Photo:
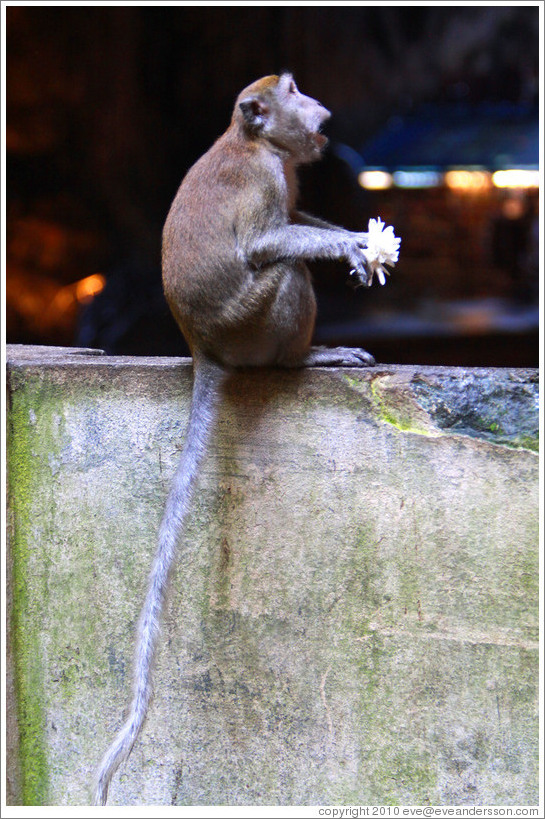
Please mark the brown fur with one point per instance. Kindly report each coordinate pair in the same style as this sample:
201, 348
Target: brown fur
235, 299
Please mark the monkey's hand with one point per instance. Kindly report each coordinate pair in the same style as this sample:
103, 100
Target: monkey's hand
355, 255
382, 248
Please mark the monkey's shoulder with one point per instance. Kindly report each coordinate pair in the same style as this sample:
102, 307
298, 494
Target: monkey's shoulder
233, 167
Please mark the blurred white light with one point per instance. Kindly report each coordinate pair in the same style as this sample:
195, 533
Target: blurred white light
375, 180
516, 178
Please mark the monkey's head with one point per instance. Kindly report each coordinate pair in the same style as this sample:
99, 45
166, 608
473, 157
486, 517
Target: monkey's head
274, 109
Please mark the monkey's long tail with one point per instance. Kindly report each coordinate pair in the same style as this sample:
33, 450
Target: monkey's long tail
208, 378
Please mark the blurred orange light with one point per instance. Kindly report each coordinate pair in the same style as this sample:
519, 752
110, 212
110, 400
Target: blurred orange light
91, 286
467, 180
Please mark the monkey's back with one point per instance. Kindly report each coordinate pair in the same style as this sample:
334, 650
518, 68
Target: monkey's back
233, 193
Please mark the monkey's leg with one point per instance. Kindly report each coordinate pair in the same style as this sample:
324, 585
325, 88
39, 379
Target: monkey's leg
337, 357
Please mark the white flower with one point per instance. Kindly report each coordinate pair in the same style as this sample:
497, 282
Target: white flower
382, 249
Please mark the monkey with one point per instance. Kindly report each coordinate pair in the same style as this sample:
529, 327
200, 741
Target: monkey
234, 248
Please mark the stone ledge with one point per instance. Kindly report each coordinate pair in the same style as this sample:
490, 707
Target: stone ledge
500, 405
353, 619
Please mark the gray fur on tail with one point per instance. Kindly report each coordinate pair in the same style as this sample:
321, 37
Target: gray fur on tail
208, 378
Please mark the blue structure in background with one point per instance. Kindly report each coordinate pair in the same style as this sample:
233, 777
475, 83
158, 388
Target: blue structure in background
489, 135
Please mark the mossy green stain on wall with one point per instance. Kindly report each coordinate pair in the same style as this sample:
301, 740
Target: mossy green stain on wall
478, 409
405, 415
55, 647
25, 624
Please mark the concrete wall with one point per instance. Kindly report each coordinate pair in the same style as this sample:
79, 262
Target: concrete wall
353, 618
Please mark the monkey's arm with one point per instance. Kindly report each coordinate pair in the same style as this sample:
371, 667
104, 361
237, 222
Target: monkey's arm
303, 241
299, 217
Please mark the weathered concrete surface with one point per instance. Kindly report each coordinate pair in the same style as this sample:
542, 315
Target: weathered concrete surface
353, 619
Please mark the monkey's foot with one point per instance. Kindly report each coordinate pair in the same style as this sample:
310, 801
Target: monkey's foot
338, 357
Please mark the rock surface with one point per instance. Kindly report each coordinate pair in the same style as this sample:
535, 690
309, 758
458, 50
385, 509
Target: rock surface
353, 617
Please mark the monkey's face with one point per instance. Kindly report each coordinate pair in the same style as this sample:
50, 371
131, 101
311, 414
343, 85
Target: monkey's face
284, 116
299, 119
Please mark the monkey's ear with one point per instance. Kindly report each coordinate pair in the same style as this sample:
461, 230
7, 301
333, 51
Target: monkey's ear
254, 111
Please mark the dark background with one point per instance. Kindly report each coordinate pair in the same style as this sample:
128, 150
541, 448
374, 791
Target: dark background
108, 107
